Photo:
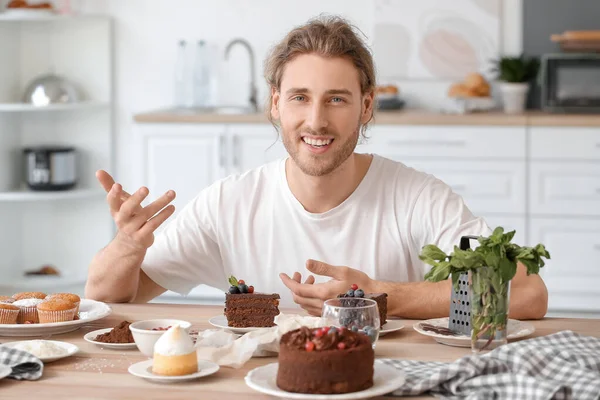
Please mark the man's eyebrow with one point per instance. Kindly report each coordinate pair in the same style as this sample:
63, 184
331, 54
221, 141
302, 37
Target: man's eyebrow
330, 91
297, 91
339, 91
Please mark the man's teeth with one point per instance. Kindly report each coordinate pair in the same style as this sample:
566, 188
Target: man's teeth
317, 142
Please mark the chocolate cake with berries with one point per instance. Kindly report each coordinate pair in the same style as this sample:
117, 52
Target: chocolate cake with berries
245, 308
326, 360
380, 299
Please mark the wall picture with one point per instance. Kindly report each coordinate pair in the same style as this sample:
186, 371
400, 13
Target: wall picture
435, 39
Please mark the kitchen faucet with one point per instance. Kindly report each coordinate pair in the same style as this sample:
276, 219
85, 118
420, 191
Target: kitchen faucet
253, 91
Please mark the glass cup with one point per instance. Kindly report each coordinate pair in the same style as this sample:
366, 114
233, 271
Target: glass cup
355, 314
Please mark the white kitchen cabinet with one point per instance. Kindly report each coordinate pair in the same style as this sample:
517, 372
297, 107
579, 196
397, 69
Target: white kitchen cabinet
486, 186
185, 158
448, 142
505, 177
565, 188
573, 272
253, 146
565, 143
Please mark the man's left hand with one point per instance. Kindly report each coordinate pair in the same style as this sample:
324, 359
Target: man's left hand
310, 296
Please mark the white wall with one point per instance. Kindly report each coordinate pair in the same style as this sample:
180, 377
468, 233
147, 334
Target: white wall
146, 33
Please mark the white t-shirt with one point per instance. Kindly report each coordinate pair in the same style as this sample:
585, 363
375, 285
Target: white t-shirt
251, 226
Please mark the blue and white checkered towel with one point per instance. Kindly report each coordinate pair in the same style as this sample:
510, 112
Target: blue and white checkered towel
25, 366
564, 365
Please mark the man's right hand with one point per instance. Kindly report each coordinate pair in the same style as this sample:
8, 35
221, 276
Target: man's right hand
135, 224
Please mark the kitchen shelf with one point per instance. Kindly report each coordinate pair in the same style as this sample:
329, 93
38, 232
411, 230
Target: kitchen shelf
10, 17
46, 284
24, 107
28, 195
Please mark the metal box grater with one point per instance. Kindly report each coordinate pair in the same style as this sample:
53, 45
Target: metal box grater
460, 301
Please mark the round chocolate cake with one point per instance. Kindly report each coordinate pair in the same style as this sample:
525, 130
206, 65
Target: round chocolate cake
325, 361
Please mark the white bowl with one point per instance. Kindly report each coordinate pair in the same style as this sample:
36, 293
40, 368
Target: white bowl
145, 337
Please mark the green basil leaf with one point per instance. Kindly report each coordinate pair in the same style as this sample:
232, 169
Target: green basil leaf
507, 269
433, 252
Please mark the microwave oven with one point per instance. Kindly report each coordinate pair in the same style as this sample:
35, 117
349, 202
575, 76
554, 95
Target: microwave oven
570, 82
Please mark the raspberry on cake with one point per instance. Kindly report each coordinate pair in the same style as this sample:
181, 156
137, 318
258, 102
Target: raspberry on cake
380, 298
175, 353
244, 308
325, 360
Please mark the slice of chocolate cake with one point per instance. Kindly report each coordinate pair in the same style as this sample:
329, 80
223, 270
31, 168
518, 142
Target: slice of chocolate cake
379, 298
246, 309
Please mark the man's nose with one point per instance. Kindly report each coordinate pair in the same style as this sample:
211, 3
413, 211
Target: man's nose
317, 118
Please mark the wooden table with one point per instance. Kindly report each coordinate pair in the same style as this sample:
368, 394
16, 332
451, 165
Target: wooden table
99, 373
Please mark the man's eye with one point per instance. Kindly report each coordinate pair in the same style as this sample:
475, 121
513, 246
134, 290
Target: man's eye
337, 100
298, 98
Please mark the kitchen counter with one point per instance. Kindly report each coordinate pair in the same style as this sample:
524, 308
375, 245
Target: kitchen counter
405, 117
102, 373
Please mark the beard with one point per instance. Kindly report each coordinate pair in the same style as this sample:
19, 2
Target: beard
319, 164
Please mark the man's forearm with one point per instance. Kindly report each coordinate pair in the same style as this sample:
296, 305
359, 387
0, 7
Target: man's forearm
114, 274
416, 300
424, 300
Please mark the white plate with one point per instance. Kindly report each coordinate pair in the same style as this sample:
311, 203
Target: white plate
90, 336
89, 310
221, 322
516, 330
386, 379
4, 371
392, 325
143, 369
69, 347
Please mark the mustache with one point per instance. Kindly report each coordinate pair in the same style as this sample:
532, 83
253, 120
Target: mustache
312, 132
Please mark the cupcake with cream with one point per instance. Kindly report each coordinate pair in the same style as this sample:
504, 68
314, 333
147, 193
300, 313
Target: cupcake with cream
28, 310
175, 353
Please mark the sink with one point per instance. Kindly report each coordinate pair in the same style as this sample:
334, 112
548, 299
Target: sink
223, 109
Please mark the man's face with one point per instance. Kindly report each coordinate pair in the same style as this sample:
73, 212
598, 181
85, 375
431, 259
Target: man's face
320, 108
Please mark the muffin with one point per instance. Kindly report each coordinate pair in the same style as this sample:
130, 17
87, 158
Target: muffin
29, 295
27, 310
6, 299
56, 310
73, 298
8, 313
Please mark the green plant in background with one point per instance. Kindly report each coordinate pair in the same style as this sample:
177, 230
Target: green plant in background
516, 69
493, 264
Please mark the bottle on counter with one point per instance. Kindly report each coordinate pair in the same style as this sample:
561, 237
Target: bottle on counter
180, 79
201, 86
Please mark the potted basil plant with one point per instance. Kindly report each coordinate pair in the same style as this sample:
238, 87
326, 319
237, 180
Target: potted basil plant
490, 266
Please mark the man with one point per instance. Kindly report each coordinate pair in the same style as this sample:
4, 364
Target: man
348, 218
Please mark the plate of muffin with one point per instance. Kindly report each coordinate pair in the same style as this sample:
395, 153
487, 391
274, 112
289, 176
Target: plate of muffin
325, 363
41, 314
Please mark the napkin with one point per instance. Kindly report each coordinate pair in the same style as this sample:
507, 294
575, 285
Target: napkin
231, 350
564, 366
25, 366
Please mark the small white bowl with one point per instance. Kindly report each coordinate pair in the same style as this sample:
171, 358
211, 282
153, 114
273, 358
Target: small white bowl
145, 337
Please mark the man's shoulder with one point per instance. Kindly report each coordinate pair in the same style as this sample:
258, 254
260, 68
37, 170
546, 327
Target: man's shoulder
392, 171
250, 182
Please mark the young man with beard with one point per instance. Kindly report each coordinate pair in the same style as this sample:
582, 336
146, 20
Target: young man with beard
337, 216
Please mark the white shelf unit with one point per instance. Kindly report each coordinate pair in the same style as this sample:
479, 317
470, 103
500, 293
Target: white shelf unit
24, 107
64, 228
26, 195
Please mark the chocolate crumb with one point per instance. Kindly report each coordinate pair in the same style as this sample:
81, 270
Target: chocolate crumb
119, 334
